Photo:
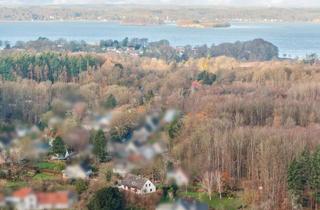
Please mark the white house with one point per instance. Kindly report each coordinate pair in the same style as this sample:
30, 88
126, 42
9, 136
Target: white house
23, 199
137, 184
27, 199
77, 172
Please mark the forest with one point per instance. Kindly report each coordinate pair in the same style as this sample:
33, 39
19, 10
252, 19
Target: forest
157, 14
247, 129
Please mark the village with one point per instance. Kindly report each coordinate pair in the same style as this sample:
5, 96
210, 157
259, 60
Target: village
40, 171
159, 107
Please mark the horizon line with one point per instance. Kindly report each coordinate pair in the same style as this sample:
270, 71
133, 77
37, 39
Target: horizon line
162, 5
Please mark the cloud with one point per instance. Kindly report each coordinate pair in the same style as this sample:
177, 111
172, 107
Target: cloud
281, 3
78, 2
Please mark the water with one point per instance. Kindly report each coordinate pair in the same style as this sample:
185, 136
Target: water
294, 39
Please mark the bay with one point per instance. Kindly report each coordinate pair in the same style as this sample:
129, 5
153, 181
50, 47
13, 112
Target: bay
293, 39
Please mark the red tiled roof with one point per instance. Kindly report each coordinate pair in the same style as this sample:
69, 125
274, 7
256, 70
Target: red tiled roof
196, 84
53, 198
22, 193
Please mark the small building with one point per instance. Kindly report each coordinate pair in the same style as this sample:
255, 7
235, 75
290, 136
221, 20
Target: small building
2, 200
23, 199
123, 167
80, 171
66, 156
195, 86
55, 200
178, 176
27, 199
2, 158
137, 184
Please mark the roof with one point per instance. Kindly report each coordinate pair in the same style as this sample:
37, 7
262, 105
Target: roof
76, 171
134, 181
196, 84
22, 193
53, 198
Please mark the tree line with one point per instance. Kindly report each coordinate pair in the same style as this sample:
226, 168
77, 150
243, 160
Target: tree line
253, 50
46, 66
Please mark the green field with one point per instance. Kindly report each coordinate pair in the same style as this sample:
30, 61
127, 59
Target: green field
44, 176
16, 184
56, 166
215, 202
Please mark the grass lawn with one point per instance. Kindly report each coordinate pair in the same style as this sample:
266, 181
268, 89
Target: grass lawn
56, 166
16, 184
215, 202
43, 176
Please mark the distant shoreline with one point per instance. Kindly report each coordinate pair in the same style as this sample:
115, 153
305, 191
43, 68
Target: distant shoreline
158, 24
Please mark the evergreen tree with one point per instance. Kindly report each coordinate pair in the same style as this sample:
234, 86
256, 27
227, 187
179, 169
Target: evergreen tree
107, 199
99, 146
174, 128
303, 178
315, 175
295, 177
207, 78
58, 146
81, 186
111, 102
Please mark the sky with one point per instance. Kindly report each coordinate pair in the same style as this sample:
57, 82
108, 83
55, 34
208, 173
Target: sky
264, 3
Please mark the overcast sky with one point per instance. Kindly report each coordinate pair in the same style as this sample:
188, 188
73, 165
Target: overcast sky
279, 3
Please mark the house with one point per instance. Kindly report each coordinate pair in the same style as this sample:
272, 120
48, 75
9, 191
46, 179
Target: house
66, 156
54, 121
170, 115
183, 204
141, 135
23, 199
137, 184
22, 131
196, 85
123, 167
2, 158
2, 200
55, 200
26, 198
148, 152
178, 176
81, 171
96, 122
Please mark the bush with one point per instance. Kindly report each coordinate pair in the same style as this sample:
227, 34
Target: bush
3, 174
174, 128
109, 175
81, 186
207, 78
